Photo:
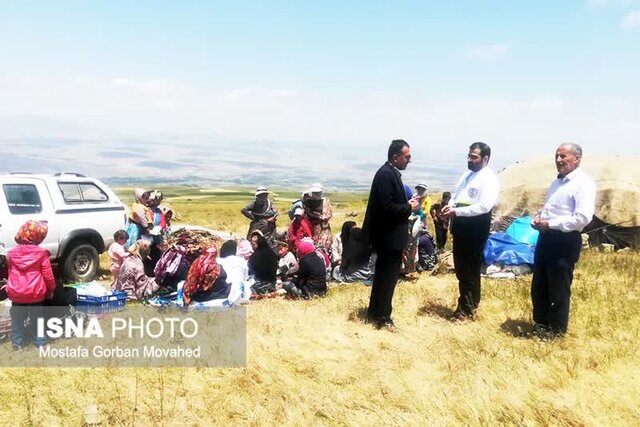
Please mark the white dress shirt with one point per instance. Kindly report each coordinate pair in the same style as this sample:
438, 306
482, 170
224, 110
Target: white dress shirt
570, 202
476, 192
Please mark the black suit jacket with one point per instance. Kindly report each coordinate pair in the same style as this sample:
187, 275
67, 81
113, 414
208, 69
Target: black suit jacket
386, 223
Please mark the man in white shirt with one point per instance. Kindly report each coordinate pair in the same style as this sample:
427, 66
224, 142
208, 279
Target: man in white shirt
470, 213
568, 208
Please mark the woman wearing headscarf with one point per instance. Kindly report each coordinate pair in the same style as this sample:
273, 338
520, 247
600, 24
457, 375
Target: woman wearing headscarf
318, 209
167, 216
158, 225
356, 255
300, 227
337, 246
312, 273
263, 264
131, 278
235, 265
172, 268
427, 259
410, 252
140, 218
244, 248
30, 280
263, 215
206, 280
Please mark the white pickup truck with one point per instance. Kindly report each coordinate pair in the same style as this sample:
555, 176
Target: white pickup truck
82, 214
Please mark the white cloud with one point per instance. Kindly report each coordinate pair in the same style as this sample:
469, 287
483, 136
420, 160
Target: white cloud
120, 82
627, 125
151, 86
551, 104
249, 92
630, 20
489, 51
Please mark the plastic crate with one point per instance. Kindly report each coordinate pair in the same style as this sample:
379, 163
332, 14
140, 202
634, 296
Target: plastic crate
105, 304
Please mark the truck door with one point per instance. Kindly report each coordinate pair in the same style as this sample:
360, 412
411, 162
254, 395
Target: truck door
22, 200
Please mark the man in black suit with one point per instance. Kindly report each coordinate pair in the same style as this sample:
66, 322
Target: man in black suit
386, 228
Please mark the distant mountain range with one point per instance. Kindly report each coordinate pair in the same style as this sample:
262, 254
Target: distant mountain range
212, 161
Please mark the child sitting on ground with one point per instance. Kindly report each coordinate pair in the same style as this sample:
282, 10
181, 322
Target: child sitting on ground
30, 281
312, 275
117, 253
288, 264
131, 278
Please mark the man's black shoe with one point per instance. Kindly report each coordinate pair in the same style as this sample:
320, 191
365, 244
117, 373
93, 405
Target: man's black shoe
386, 323
546, 333
461, 315
370, 318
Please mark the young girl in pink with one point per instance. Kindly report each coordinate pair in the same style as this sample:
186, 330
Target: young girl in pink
30, 281
117, 253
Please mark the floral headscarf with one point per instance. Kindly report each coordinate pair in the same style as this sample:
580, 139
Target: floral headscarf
202, 275
32, 233
155, 198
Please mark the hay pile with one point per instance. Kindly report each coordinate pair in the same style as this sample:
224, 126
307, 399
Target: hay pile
524, 185
194, 241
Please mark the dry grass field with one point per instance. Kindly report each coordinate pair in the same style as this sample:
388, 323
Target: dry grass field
318, 362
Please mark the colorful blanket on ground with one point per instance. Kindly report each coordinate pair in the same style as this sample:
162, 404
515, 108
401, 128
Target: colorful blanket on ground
240, 293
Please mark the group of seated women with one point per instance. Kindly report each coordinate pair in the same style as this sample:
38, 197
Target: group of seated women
299, 264
213, 274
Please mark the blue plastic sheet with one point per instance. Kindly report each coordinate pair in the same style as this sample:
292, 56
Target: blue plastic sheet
521, 230
501, 248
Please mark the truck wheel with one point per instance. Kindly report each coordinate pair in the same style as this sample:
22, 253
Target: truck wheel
81, 263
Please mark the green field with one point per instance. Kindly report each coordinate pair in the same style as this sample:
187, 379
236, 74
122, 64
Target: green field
219, 208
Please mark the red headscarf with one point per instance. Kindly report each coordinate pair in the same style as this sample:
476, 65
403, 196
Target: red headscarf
32, 233
202, 275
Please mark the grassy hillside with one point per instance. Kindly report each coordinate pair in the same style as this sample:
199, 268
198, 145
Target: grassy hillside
317, 362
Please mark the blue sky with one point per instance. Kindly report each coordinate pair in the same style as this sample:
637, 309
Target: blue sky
443, 47
520, 75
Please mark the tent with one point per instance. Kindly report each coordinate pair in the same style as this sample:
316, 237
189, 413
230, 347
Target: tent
504, 249
521, 230
523, 187
515, 246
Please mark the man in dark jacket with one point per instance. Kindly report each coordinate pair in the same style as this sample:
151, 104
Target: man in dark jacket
385, 227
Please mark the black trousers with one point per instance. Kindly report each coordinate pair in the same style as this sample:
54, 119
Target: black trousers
468, 258
555, 257
388, 265
441, 235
